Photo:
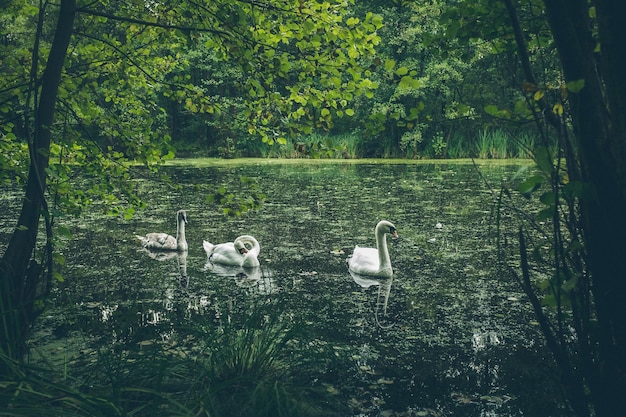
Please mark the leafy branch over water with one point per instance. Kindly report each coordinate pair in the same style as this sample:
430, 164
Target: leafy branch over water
235, 203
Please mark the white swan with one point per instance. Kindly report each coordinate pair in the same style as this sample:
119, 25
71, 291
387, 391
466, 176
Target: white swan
165, 242
244, 251
374, 261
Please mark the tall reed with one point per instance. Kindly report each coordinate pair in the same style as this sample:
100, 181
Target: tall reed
249, 373
493, 144
524, 144
458, 147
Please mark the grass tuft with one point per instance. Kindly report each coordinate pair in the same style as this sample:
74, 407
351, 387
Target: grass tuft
246, 371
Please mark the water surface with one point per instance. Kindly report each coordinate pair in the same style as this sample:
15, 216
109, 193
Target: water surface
449, 335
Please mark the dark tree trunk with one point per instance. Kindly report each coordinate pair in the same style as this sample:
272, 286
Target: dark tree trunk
19, 272
599, 119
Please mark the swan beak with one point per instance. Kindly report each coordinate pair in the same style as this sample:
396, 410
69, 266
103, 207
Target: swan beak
243, 251
394, 234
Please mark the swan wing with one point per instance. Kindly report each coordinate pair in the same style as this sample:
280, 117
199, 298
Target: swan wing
208, 247
165, 242
225, 253
158, 241
374, 261
365, 261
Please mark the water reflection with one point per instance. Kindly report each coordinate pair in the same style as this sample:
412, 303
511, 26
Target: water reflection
106, 312
182, 269
384, 290
181, 260
482, 339
256, 279
203, 305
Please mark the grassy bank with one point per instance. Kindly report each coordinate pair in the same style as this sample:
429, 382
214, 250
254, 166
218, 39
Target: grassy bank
209, 162
486, 144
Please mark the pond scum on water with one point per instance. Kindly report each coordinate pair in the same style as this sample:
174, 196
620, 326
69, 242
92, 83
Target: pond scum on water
449, 335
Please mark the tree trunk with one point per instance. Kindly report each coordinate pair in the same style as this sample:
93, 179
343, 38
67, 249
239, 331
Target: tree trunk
599, 119
20, 274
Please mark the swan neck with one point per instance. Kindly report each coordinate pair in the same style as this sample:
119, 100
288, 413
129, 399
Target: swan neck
383, 252
249, 258
180, 230
182, 263
181, 242
255, 249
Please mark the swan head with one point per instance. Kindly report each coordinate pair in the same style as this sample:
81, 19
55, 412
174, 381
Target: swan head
240, 247
181, 215
384, 227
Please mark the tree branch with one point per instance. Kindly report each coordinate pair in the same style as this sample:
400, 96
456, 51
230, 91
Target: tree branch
154, 24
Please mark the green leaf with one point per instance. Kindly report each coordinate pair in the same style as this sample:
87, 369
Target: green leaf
549, 300
576, 189
408, 82
57, 276
548, 198
528, 186
402, 71
58, 258
570, 284
390, 64
575, 86
543, 160
491, 110
546, 214
64, 231
352, 21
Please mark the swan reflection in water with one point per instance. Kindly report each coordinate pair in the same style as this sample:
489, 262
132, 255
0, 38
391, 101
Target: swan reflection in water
181, 260
384, 290
255, 277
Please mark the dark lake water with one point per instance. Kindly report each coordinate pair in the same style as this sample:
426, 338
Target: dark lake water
449, 335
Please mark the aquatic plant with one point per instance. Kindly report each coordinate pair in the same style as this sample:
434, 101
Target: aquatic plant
523, 144
458, 147
239, 372
31, 391
492, 144
248, 371
325, 146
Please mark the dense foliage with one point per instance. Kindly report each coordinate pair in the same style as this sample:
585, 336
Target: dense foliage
431, 88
